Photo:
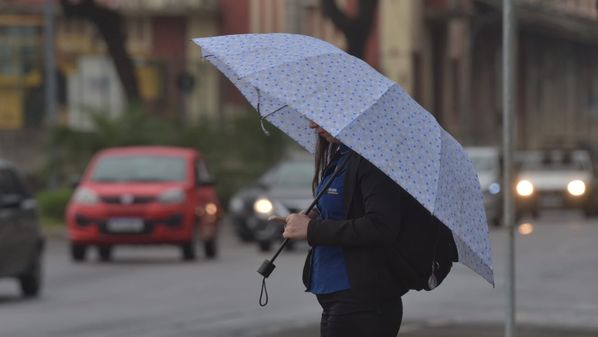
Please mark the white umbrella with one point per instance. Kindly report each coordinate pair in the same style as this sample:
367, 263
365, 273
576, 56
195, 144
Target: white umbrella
291, 79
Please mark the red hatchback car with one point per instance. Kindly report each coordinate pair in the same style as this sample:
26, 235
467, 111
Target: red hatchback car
144, 195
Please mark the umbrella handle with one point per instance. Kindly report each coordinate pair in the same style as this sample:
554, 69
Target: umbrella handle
268, 265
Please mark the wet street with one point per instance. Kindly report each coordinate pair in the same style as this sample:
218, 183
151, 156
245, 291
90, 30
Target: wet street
148, 291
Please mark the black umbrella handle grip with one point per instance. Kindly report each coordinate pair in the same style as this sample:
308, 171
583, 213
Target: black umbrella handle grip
266, 268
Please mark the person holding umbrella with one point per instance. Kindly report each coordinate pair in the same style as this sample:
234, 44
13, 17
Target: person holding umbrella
346, 269
400, 198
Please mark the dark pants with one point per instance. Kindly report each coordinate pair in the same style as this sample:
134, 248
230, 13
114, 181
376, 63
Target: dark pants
344, 316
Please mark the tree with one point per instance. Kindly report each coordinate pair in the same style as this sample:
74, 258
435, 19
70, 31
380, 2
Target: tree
356, 29
109, 24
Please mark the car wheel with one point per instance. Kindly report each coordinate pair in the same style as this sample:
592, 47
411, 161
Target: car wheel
105, 253
210, 248
188, 251
78, 252
31, 280
265, 245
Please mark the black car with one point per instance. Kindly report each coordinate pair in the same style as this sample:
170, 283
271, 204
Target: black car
21, 240
284, 189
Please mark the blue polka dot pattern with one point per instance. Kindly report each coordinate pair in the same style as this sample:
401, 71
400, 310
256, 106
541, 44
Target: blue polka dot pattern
291, 79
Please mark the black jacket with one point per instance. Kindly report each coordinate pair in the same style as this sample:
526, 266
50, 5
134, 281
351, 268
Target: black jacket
375, 215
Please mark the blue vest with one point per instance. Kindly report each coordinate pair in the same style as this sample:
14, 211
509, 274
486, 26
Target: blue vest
328, 269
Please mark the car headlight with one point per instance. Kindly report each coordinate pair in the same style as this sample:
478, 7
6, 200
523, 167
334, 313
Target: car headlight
263, 206
576, 188
172, 196
85, 195
525, 188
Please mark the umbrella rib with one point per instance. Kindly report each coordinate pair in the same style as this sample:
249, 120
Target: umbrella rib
266, 115
367, 108
271, 113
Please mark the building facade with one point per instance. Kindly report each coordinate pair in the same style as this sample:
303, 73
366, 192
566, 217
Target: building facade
556, 70
446, 53
173, 81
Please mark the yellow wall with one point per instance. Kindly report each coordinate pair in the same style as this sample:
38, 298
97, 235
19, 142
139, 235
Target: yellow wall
396, 22
11, 109
203, 101
18, 73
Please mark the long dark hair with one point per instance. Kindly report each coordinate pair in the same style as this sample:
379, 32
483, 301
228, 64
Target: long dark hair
324, 152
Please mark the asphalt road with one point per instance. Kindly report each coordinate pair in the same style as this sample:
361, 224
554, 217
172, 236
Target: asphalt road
148, 291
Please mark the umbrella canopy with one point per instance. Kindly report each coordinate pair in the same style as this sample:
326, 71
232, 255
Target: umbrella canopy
291, 79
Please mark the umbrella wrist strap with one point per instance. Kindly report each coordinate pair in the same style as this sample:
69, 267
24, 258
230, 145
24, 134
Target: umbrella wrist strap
264, 294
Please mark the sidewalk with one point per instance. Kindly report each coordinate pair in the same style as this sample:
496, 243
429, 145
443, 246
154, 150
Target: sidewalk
460, 330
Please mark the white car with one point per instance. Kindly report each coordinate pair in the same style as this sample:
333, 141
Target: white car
487, 164
554, 179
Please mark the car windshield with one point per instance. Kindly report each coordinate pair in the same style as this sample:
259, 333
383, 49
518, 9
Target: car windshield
556, 160
293, 174
139, 168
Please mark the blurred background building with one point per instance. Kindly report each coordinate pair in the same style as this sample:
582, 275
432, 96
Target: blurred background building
446, 53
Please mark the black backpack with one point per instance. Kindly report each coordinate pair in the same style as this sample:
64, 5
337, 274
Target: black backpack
425, 250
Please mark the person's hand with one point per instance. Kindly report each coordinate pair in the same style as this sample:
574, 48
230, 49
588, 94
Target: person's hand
295, 225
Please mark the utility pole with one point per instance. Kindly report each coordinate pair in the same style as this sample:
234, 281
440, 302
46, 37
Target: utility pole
507, 144
50, 83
